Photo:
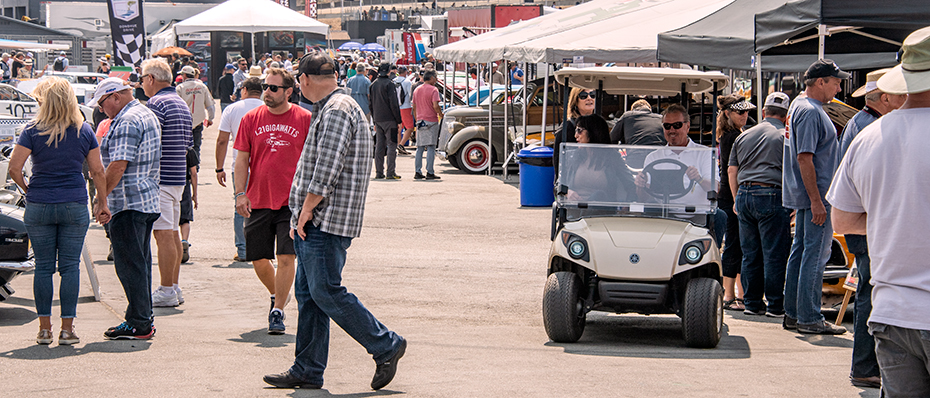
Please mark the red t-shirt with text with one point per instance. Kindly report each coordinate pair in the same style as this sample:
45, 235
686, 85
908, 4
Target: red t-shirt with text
274, 143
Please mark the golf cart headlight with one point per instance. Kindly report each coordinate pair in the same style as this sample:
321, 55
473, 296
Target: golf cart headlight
576, 249
693, 254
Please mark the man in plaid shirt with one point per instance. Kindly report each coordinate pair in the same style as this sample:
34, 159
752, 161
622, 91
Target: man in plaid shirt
131, 152
327, 201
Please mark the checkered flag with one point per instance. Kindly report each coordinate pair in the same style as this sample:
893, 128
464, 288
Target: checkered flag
129, 49
311, 9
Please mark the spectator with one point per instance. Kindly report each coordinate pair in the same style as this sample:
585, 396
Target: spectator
428, 113
404, 95
200, 102
61, 62
104, 66
358, 85
188, 202
516, 74
580, 103
16, 64
26, 71
226, 88
242, 72
385, 113
56, 214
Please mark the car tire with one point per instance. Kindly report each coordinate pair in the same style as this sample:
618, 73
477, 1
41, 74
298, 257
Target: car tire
454, 161
474, 157
563, 314
702, 313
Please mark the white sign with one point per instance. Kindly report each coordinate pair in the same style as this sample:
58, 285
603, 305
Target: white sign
578, 59
96, 45
195, 36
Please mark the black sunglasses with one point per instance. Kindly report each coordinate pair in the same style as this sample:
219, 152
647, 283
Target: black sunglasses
741, 112
274, 88
586, 94
676, 125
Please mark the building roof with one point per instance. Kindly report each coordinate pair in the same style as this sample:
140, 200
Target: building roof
13, 26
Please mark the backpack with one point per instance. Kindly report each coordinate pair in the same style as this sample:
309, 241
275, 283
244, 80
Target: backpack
400, 88
59, 65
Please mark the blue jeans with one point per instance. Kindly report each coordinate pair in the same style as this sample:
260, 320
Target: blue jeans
765, 238
430, 157
238, 222
864, 363
804, 280
720, 226
321, 296
131, 237
57, 232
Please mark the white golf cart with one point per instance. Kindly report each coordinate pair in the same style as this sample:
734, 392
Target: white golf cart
623, 248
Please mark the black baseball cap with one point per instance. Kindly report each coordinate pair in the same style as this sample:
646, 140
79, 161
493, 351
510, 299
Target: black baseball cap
384, 69
317, 64
825, 68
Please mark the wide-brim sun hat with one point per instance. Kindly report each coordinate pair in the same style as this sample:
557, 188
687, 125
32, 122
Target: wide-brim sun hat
871, 82
255, 71
912, 75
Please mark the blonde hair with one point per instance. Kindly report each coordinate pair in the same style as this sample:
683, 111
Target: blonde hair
58, 109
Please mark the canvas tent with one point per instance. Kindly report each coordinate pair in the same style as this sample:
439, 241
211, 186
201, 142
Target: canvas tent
31, 46
599, 30
250, 16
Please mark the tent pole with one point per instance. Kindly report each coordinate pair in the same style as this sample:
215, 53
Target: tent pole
545, 109
760, 91
490, 114
821, 38
565, 121
713, 123
254, 58
526, 108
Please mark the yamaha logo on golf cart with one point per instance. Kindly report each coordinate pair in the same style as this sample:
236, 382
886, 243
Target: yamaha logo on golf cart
634, 258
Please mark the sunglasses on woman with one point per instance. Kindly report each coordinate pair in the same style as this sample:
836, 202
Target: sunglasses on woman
585, 94
274, 88
740, 112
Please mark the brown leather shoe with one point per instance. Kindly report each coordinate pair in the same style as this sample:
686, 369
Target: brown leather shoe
867, 382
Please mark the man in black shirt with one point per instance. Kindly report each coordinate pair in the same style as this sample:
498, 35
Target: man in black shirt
226, 89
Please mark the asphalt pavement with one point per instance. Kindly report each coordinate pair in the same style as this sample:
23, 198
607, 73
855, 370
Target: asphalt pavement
456, 266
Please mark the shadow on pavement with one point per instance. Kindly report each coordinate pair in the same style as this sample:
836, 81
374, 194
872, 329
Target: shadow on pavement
261, 338
167, 311
326, 393
234, 264
648, 337
16, 316
54, 351
826, 340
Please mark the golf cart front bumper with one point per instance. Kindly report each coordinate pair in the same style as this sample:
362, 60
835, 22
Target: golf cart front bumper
629, 295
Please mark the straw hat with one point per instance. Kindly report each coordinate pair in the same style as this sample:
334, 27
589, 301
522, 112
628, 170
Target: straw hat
871, 82
255, 71
913, 74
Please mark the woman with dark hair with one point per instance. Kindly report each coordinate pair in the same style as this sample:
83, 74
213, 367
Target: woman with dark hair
730, 121
592, 129
597, 175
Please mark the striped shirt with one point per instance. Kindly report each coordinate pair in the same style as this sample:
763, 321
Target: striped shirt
335, 164
174, 117
135, 136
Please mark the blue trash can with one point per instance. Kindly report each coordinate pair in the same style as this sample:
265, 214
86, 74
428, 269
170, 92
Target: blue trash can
536, 176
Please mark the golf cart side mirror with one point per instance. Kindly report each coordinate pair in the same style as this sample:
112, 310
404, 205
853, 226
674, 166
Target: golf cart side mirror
712, 195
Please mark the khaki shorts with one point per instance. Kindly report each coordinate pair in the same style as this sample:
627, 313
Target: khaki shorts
169, 202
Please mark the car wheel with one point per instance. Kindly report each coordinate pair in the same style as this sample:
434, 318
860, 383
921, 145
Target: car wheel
702, 315
563, 315
474, 157
454, 161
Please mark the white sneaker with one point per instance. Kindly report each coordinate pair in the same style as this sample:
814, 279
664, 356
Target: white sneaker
164, 297
177, 291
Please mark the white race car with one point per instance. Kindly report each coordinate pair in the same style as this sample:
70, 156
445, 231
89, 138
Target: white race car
84, 83
17, 103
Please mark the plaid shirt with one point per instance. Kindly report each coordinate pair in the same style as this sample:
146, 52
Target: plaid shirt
135, 136
335, 164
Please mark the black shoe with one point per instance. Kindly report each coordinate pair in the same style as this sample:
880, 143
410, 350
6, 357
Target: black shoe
392, 177
775, 314
379, 176
822, 327
110, 255
431, 176
401, 150
753, 312
868, 382
124, 331
418, 176
288, 380
384, 372
789, 323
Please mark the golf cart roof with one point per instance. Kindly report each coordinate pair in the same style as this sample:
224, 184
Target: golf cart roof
642, 81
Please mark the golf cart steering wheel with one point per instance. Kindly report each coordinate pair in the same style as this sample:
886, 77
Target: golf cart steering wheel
666, 183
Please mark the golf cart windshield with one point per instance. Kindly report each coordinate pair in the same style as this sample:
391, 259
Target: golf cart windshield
630, 180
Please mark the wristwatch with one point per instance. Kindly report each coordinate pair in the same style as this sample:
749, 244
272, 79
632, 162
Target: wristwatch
219, 170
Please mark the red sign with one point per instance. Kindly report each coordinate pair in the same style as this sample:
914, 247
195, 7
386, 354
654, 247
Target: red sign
410, 48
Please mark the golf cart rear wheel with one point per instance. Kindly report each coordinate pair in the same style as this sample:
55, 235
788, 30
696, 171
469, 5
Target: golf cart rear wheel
474, 157
563, 315
702, 315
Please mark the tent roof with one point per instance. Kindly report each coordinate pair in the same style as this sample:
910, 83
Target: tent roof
30, 46
641, 81
599, 30
250, 16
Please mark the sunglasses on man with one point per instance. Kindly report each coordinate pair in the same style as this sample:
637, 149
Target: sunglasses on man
586, 94
274, 88
676, 125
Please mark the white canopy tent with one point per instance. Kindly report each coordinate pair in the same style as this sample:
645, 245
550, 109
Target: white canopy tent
29, 46
250, 16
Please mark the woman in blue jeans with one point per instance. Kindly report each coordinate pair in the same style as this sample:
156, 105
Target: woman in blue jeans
56, 218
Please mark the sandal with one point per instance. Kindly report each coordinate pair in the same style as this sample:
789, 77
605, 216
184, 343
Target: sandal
735, 304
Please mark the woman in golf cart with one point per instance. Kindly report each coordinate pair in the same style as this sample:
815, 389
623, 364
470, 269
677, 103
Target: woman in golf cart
580, 103
610, 175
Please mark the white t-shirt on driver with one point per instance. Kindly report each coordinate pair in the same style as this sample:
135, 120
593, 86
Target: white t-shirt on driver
882, 175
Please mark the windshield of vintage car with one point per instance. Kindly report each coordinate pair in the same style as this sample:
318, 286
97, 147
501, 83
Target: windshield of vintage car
637, 180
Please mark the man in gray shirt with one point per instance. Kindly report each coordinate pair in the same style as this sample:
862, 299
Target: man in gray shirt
755, 167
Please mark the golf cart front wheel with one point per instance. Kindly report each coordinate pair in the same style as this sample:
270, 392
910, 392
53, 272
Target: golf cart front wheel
563, 314
702, 314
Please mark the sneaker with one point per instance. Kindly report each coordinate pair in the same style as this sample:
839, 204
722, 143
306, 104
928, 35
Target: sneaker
110, 254
126, 332
177, 291
392, 177
44, 337
164, 297
751, 312
822, 327
286, 301
379, 176
789, 323
401, 150
773, 314
289, 380
385, 371
68, 338
185, 255
276, 322
431, 176
418, 176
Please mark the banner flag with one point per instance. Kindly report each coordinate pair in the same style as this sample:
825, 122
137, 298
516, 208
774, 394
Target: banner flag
410, 51
128, 31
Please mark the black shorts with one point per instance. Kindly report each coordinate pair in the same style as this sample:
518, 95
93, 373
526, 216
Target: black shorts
187, 205
267, 230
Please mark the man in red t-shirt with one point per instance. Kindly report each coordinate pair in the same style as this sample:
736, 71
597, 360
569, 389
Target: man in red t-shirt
269, 141
428, 113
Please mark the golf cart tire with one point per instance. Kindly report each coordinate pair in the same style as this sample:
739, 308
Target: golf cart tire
702, 314
481, 150
563, 315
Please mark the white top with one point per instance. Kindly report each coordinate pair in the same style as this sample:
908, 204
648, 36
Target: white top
882, 176
701, 160
231, 117
198, 98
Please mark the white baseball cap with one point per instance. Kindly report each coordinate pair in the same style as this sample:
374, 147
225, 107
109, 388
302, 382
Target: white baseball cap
777, 100
108, 86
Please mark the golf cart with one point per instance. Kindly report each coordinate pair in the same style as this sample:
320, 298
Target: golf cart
626, 246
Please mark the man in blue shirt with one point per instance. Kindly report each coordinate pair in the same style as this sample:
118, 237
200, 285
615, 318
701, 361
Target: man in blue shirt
131, 152
808, 165
516, 74
358, 85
